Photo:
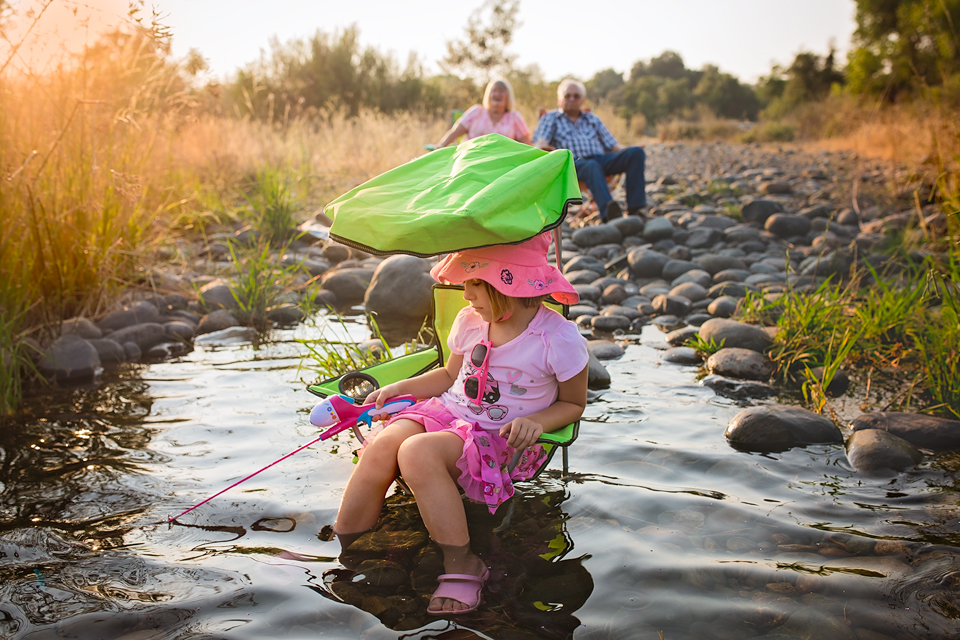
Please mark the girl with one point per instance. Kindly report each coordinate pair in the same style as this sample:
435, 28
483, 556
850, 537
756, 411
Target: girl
516, 369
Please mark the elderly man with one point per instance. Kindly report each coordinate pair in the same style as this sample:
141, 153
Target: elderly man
595, 151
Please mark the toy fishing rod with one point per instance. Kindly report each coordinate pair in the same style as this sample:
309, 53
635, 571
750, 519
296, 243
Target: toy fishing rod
337, 413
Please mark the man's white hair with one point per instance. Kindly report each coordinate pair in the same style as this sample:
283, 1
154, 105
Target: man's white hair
570, 82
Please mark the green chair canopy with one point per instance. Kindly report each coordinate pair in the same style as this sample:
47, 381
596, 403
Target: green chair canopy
486, 191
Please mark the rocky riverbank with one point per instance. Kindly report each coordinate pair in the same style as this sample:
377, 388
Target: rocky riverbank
725, 221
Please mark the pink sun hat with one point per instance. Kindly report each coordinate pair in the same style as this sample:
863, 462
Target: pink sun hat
515, 270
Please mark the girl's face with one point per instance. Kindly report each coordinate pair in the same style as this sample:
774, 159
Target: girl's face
475, 292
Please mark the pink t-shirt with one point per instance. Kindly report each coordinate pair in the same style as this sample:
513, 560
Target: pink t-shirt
523, 373
477, 122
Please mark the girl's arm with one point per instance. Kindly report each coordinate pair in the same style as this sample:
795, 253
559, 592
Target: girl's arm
571, 401
426, 385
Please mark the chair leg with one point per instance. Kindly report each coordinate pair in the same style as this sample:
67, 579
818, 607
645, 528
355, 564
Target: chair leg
506, 519
566, 462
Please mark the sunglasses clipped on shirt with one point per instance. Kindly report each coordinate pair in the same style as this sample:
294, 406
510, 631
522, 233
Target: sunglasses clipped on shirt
474, 385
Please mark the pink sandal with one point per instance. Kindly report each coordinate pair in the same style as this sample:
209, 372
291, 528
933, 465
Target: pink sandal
462, 587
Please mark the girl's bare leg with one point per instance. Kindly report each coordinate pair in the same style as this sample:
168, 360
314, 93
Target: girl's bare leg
428, 463
375, 472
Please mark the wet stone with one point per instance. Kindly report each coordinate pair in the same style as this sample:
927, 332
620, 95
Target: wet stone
232, 335
779, 427
180, 330
671, 305
723, 307
605, 349
145, 335
926, 432
680, 336
132, 315
82, 327
627, 312
740, 363
879, 452
285, 314
70, 357
348, 284
735, 334
611, 323
738, 389
216, 321
217, 295
597, 375
646, 263
380, 573
681, 355
109, 351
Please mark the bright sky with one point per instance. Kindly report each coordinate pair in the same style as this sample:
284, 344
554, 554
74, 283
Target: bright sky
563, 37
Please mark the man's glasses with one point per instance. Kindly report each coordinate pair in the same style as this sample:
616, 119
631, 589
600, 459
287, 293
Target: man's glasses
474, 385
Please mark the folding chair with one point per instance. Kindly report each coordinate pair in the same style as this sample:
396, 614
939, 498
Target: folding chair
447, 303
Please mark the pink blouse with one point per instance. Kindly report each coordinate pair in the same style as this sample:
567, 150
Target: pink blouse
477, 123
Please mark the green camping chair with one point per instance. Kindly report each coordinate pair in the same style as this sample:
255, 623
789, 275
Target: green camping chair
447, 303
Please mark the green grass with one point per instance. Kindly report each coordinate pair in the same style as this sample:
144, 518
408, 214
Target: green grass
902, 329
260, 284
273, 205
335, 353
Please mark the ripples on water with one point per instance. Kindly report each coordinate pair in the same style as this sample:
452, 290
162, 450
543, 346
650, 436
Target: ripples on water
660, 528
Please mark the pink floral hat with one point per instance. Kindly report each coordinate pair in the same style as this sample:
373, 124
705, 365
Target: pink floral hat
515, 270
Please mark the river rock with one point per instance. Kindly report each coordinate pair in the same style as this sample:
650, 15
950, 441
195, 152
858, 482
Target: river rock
594, 235
618, 310
671, 305
585, 263
70, 358
613, 294
82, 327
132, 351
610, 323
786, 225
703, 237
627, 225
735, 334
144, 335
679, 337
723, 307
134, 314
597, 375
880, 452
231, 335
109, 351
216, 321
400, 296
689, 290
779, 427
605, 349
697, 275
349, 284
714, 263
738, 389
646, 263
925, 432
740, 363
180, 330
681, 355
285, 314
673, 269
657, 229
759, 210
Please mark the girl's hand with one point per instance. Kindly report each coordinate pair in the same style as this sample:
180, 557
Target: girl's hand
521, 432
381, 395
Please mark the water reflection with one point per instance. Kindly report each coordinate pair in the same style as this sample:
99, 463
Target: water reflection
535, 584
661, 527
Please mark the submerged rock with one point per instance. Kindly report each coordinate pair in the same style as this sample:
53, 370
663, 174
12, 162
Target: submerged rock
779, 427
926, 432
880, 452
738, 389
71, 358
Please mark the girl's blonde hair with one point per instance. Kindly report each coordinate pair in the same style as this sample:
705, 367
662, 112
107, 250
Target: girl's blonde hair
503, 84
501, 305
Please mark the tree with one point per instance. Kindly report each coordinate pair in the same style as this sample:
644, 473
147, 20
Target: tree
489, 31
603, 84
901, 46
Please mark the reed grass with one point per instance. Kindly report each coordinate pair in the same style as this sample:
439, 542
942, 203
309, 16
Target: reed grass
335, 353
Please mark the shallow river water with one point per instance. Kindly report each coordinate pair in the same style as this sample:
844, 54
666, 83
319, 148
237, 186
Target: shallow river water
661, 529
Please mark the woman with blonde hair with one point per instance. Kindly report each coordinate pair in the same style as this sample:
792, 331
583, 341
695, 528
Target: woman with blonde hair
497, 114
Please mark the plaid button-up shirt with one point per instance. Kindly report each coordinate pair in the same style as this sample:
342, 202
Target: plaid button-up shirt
585, 138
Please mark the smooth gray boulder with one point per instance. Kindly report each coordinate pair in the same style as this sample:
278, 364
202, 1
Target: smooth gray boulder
400, 296
723, 307
69, 358
216, 321
594, 235
759, 210
673, 269
180, 330
82, 327
597, 375
109, 351
609, 324
627, 225
217, 295
671, 305
679, 337
713, 263
738, 389
657, 229
880, 452
134, 314
646, 263
285, 314
697, 275
144, 335
787, 225
588, 292
735, 334
681, 355
703, 237
349, 284
689, 290
923, 431
585, 263
779, 427
732, 289
605, 349
740, 363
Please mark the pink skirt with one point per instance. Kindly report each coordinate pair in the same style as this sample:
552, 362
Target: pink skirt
486, 455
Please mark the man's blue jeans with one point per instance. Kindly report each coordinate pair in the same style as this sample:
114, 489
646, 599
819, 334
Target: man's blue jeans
593, 171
